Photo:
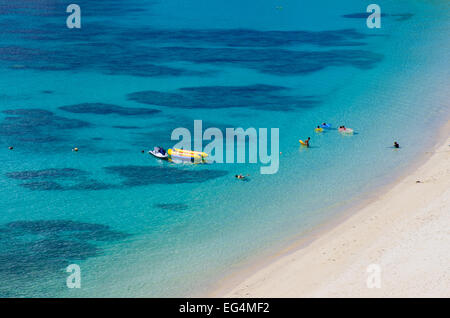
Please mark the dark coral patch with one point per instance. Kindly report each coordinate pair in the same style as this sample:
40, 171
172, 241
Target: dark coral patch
52, 9
272, 61
43, 226
38, 130
91, 185
147, 175
42, 185
247, 37
29, 112
18, 54
57, 178
365, 15
104, 235
146, 70
172, 206
126, 127
237, 49
259, 96
53, 173
45, 247
144, 51
106, 109
37, 139
204, 37
402, 16
361, 15
56, 227
36, 123
42, 257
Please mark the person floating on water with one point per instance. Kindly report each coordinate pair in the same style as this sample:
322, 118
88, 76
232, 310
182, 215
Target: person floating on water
396, 145
240, 176
307, 141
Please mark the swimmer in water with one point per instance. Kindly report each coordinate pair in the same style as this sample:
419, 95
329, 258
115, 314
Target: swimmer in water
396, 145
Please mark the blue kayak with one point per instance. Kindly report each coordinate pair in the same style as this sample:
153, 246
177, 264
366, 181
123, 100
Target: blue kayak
326, 126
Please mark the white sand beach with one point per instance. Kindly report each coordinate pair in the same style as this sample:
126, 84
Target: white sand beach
406, 231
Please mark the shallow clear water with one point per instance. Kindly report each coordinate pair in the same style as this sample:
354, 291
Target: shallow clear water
139, 227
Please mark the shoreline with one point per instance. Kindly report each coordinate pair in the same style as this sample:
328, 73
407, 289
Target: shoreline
330, 261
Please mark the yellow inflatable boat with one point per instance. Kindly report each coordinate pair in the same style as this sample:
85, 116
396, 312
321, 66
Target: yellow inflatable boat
190, 155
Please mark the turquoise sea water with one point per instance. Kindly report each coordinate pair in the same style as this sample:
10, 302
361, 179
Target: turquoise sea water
138, 227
